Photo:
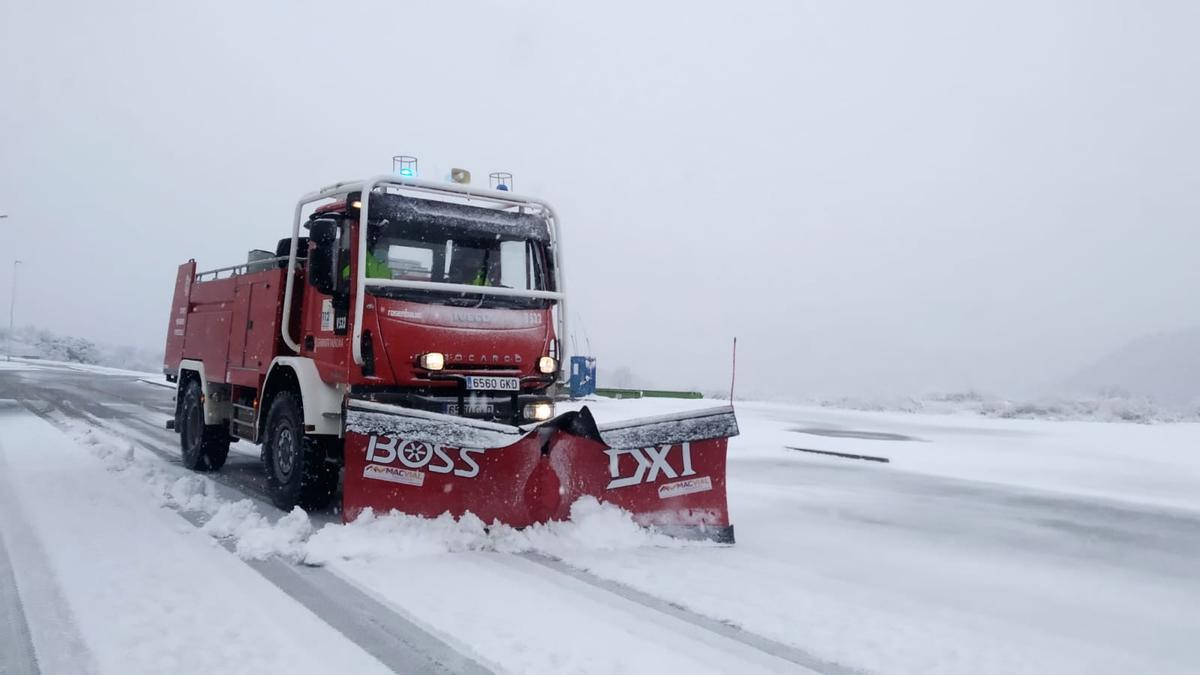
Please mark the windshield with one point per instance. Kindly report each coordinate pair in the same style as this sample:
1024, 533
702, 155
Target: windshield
428, 252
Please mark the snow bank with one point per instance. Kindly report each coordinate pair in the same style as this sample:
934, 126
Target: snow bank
592, 525
254, 536
116, 457
188, 492
396, 536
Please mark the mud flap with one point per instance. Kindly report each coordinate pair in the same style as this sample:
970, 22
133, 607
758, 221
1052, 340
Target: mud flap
668, 472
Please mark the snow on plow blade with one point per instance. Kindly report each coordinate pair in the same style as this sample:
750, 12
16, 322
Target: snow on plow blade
668, 471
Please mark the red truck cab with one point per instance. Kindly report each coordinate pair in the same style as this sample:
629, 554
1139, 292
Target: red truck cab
449, 308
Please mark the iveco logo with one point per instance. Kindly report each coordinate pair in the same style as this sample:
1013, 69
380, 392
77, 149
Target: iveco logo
463, 317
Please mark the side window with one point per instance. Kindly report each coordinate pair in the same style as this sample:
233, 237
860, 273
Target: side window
410, 262
343, 258
464, 263
536, 274
514, 272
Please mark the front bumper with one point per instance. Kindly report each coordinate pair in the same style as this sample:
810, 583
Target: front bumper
504, 408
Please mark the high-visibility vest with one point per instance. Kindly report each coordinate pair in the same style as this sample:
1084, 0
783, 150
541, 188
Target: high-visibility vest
376, 269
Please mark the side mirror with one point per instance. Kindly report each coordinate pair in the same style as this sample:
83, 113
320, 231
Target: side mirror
322, 257
323, 231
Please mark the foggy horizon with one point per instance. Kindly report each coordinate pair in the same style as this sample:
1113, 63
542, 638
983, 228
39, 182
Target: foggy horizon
902, 200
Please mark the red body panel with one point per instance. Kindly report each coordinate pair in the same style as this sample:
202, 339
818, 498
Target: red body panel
177, 327
497, 341
517, 485
671, 484
231, 324
676, 483
319, 340
425, 479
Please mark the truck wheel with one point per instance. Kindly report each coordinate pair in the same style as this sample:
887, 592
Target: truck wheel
297, 473
204, 447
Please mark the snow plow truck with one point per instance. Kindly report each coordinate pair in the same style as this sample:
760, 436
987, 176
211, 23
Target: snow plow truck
403, 347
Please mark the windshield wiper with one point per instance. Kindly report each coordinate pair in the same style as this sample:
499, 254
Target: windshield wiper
465, 301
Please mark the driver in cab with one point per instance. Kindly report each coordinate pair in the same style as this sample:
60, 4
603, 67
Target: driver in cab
475, 267
377, 268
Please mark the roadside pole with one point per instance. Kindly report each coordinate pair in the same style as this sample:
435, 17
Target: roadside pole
12, 309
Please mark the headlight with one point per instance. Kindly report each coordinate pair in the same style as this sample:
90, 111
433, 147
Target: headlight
432, 361
539, 411
547, 364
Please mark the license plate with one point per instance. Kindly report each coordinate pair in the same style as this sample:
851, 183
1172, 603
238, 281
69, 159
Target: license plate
471, 409
493, 384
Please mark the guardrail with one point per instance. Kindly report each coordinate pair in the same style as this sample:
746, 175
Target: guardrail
609, 392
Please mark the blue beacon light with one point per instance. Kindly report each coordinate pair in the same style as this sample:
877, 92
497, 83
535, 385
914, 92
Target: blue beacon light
501, 180
404, 165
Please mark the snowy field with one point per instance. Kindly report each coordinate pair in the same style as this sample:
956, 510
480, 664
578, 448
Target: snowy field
982, 546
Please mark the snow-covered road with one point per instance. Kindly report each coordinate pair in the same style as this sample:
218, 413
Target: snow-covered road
984, 546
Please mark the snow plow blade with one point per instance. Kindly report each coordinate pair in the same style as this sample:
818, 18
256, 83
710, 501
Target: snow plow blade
668, 471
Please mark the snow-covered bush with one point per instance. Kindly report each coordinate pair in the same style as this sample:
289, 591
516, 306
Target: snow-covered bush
31, 342
60, 348
1111, 405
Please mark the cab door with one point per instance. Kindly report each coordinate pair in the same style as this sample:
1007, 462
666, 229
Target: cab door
324, 335
262, 324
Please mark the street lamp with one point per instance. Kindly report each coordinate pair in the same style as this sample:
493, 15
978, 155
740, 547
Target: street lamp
12, 302
12, 306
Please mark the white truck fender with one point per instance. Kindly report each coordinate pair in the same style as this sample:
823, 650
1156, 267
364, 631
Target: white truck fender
322, 402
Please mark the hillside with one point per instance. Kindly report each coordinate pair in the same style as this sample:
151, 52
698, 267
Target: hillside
1164, 367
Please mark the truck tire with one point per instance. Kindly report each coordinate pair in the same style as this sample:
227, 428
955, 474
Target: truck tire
297, 473
203, 447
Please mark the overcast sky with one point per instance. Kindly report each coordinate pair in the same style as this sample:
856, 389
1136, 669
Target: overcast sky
874, 197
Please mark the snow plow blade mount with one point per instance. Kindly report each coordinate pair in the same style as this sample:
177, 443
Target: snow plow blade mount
668, 471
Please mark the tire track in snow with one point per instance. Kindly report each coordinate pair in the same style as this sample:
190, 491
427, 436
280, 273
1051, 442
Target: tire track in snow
39, 632
239, 474
767, 646
17, 656
395, 641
